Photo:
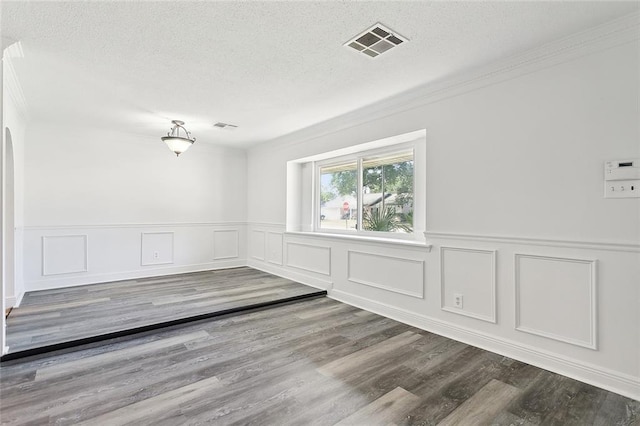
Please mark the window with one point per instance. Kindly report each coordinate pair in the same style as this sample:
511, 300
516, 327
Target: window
375, 189
372, 191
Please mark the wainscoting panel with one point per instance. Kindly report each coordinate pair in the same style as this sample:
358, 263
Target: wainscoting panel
471, 274
225, 244
274, 248
309, 257
395, 274
257, 244
157, 248
58, 256
558, 335
64, 254
556, 298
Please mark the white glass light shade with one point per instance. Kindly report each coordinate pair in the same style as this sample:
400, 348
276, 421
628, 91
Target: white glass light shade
177, 144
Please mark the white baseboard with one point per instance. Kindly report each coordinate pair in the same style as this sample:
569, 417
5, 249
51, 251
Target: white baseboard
73, 281
10, 302
13, 301
620, 383
292, 275
19, 299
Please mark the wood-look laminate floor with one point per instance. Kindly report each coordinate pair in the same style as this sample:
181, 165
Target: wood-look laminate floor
51, 317
316, 362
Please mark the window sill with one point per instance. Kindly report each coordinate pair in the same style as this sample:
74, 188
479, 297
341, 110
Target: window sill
364, 239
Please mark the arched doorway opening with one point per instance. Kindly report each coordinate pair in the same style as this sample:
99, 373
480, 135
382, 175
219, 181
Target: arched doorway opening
9, 225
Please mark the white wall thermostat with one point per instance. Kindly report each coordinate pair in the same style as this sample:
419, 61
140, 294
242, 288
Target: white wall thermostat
622, 179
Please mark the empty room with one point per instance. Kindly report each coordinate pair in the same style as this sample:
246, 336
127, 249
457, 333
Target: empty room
320, 213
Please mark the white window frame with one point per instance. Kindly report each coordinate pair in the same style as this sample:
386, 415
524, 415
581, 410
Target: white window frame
419, 159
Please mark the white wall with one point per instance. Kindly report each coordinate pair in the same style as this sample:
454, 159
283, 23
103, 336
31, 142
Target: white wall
549, 269
533, 146
122, 205
15, 119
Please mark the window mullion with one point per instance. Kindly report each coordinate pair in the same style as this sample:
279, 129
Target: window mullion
382, 186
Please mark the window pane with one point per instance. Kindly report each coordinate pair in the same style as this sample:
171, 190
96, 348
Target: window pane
338, 196
387, 193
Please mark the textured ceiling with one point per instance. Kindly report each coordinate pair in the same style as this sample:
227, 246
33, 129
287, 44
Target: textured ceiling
269, 67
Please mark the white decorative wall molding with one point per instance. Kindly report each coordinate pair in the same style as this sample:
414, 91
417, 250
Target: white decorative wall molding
274, 252
413, 272
571, 305
147, 225
488, 257
19, 298
623, 384
614, 33
65, 254
293, 275
156, 248
587, 245
309, 257
116, 251
257, 244
226, 244
280, 226
361, 239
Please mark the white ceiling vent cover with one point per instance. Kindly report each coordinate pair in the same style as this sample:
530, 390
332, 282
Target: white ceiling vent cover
376, 40
227, 126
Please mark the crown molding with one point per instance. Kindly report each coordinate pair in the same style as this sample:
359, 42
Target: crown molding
11, 82
614, 33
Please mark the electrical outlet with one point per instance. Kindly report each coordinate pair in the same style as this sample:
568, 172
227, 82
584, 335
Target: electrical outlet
156, 255
457, 300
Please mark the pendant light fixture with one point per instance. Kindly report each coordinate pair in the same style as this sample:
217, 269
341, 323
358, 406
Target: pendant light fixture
175, 142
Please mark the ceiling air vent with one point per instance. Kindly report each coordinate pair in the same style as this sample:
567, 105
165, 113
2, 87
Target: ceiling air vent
225, 126
375, 41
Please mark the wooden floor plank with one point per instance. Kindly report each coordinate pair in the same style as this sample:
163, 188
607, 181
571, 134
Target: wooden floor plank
483, 406
384, 410
317, 362
617, 410
367, 355
51, 317
159, 405
57, 370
